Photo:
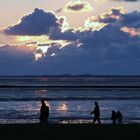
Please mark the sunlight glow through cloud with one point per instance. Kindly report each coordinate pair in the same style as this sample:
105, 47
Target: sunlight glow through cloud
113, 12
97, 42
42, 49
38, 56
131, 31
100, 21
94, 25
24, 39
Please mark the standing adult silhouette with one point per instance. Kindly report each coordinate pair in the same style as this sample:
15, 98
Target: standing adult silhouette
113, 117
119, 117
44, 112
96, 113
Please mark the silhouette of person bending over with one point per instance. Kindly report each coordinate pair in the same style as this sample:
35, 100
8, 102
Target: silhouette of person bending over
114, 117
119, 117
96, 113
44, 112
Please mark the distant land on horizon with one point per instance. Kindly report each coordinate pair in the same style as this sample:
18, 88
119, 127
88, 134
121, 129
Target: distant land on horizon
70, 75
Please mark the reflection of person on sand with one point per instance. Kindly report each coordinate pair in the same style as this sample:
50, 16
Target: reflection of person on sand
96, 112
44, 112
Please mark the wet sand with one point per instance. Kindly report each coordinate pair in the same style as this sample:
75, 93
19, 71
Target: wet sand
69, 131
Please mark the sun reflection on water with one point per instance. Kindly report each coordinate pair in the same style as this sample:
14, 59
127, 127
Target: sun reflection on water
63, 107
40, 91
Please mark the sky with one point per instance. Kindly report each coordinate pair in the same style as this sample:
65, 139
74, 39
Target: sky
42, 37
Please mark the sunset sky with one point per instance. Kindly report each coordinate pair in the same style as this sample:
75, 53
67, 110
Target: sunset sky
39, 37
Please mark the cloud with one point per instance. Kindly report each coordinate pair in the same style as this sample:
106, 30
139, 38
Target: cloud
58, 34
31, 43
116, 0
127, 0
109, 50
100, 21
113, 53
113, 49
106, 35
91, 24
14, 60
128, 22
59, 10
108, 17
78, 6
131, 20
37, 23
40, 23
63, 32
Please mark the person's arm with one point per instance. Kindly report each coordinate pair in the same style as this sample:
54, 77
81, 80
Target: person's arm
92, 112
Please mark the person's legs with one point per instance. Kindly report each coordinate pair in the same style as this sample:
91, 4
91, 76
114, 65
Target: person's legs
94, 120
114, 121
120, 120
98, 119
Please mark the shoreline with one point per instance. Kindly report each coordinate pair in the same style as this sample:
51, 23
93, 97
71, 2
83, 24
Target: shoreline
68, 121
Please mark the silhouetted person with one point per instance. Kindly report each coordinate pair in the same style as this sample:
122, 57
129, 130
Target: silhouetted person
113, 117
44, 112
96, 113
119, 117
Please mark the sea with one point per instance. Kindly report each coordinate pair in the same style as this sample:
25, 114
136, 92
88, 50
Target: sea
70, 98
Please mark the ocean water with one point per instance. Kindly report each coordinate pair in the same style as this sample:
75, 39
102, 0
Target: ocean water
71, 99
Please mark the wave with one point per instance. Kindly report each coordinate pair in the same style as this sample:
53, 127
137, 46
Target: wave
69, 86
69, 98
62, 118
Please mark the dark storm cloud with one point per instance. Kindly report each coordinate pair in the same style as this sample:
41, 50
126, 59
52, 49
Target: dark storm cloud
37, 23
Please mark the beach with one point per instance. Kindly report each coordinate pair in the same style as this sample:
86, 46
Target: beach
70, 99
69, 131
70, 70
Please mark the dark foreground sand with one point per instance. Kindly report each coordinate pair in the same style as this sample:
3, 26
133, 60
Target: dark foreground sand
69, 132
